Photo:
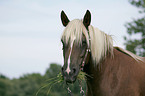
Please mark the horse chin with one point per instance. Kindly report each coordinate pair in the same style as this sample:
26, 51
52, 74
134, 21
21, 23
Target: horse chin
70, 80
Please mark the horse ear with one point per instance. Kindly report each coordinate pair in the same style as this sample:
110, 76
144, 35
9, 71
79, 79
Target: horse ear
87, 19
64, 19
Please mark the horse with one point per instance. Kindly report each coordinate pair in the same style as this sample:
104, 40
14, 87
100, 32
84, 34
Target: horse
112, 71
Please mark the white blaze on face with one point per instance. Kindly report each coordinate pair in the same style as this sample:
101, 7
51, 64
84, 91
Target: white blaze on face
68, 61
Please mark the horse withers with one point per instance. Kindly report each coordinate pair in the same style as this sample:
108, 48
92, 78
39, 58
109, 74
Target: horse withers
112, 71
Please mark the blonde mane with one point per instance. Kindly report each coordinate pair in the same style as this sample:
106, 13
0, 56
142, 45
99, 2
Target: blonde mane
99, 42
137, 58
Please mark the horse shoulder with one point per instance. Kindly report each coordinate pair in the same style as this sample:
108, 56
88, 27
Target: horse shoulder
131, 74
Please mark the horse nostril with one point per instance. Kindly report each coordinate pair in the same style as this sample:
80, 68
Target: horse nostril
63, 71
74, 70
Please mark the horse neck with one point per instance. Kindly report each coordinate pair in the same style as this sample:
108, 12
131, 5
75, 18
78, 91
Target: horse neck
93, 78
95, 74
111, 73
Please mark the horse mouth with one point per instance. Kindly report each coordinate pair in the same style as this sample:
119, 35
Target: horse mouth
70, 80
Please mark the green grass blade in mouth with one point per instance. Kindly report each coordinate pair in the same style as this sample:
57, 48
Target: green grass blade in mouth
59, 80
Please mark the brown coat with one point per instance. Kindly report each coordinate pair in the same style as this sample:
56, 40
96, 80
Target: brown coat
121, 75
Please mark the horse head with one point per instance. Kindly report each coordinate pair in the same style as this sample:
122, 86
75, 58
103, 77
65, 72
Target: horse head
75, 40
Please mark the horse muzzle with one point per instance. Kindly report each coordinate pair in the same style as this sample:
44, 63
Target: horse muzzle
71, 76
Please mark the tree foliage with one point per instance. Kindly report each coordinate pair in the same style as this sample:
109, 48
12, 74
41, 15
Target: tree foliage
135, 28
29, 84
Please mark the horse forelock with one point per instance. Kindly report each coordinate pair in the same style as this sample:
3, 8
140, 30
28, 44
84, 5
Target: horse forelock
75, 29
99, 42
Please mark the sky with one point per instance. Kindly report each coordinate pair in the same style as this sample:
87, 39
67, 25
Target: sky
30, 30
